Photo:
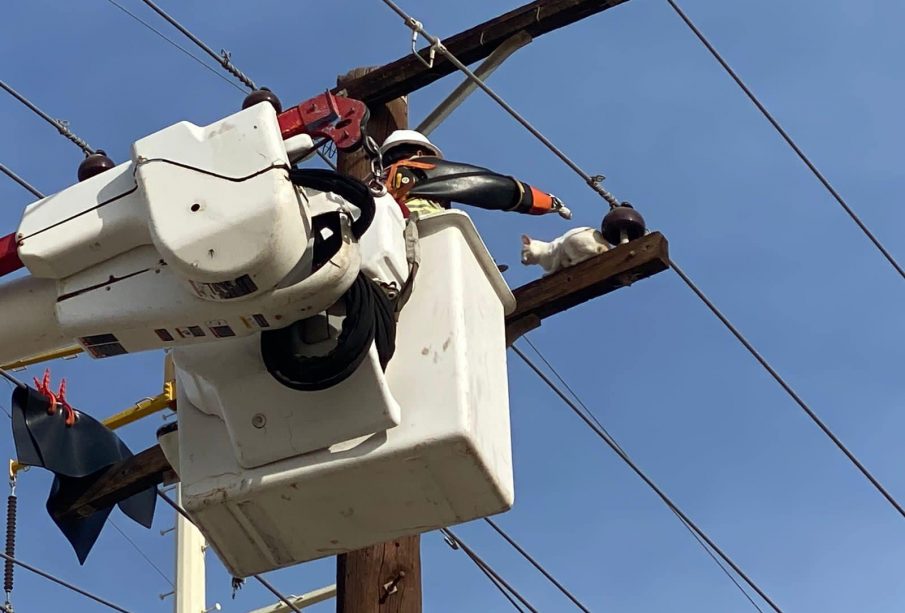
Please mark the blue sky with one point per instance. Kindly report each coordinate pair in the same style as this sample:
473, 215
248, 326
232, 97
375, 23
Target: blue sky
631, 94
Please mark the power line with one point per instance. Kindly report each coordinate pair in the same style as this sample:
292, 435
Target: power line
785, 135
536, 565
456, 543
596, 421
141, 553
721, 565
631, 464
173, 43
274, 591
223, 58
22, 182
568, 387
65, 584
501, 589
437, 45
788, 388
61, 126
178, 508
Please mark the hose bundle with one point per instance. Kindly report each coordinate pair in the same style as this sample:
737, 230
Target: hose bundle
370, 318
352, 190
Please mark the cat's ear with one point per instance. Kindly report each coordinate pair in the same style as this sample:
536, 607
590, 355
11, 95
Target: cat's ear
526, 240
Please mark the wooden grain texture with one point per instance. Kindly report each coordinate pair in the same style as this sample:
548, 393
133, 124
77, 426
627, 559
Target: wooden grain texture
602, 274
141, 471
385, 578
408, 73
362, 576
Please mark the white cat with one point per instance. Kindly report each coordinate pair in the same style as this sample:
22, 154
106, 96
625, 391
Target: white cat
574, 246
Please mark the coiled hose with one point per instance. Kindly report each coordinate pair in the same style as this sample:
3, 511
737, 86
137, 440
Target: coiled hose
370, 318
352, 190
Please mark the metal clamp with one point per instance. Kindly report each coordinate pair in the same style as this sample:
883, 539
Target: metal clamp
436, 45
417, 27
335, 118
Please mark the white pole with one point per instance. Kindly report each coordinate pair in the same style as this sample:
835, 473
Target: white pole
301, 602
190, 577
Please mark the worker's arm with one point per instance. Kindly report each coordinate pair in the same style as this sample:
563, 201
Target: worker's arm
438, 179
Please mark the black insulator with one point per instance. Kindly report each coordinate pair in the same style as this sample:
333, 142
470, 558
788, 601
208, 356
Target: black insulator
11, 505
94, 164
623, 219
262, 95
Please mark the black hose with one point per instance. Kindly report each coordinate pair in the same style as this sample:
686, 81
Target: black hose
352, 190
369, 319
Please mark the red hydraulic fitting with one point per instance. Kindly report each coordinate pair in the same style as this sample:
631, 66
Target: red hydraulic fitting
9, 254
336, 118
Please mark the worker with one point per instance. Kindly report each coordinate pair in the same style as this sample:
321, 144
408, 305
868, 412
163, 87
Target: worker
423, 182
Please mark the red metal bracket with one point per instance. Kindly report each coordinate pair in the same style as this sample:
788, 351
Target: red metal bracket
9, 254
336, 118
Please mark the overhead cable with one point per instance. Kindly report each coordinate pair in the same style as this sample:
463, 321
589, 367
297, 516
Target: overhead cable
223, 58
436, 45
536, 564
61, 126
787, 388
596, 421
501, 589
456, 543
65, 584
173, 43
176, 507
141, 553
785, 135
284, 599
650, 483
22, 182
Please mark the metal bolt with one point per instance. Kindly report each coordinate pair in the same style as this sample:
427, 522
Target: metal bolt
216, 607
258, 420
390, 586
167, 595
167, 531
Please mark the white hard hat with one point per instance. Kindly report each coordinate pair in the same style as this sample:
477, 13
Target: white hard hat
409, 137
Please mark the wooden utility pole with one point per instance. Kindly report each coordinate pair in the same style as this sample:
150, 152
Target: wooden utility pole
384, 578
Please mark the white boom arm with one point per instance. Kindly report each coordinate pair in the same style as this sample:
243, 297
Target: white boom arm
200, 236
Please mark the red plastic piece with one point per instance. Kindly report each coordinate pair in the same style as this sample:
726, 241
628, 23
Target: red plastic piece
56, 400
68, 411
9, 254
336, 118
43, 387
